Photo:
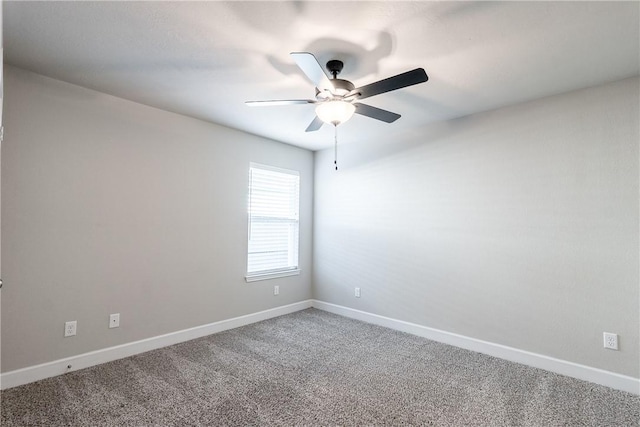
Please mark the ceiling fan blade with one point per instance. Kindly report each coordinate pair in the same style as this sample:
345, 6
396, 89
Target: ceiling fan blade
312, 69
314, 125
376, 113
409, 78
279, 102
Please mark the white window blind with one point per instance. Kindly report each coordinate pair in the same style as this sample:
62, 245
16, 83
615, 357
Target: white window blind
273, 222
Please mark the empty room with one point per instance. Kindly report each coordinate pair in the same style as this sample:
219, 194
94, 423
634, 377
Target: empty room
320, 213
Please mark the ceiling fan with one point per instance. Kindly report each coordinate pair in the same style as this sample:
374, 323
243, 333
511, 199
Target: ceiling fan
337, 99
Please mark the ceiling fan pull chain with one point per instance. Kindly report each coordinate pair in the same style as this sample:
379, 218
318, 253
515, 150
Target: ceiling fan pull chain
335, 147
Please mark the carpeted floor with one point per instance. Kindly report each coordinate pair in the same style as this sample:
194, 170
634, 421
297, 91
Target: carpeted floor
315, 368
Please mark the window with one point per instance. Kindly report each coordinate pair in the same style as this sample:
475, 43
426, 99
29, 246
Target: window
273, 222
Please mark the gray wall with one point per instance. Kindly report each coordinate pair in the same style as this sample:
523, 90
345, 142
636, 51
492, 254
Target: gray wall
109, 206
517, 226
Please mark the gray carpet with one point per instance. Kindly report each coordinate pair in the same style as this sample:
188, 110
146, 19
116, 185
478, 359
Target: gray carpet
315, 368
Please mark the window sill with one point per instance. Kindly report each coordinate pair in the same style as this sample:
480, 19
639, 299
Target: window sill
271, 275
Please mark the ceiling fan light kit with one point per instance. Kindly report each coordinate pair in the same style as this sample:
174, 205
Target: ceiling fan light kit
337, 99
335, 111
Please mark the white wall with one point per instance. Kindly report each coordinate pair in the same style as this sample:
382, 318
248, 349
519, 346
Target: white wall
109, 206
517, 226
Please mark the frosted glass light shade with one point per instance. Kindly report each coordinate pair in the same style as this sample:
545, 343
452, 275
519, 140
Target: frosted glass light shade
335, 112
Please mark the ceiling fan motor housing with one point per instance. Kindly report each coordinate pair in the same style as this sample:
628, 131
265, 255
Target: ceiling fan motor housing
342, 87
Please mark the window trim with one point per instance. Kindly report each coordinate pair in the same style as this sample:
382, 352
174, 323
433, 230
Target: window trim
274, 273
254, 277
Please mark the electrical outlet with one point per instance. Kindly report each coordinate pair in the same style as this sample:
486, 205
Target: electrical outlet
276, 290
70, 328
114, 320
610, 340
357, 292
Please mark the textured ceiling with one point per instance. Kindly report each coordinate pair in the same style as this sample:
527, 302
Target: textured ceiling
204, 59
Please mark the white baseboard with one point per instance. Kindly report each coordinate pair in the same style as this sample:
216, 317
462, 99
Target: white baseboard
563, 367
81, 361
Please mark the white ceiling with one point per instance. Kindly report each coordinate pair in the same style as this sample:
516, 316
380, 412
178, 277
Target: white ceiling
204, 59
